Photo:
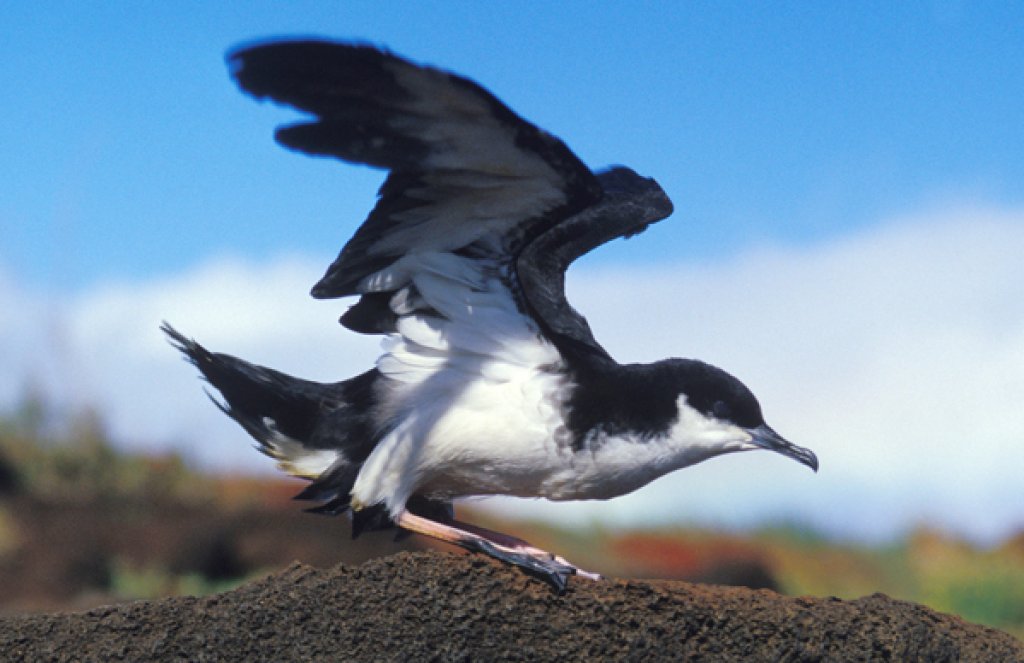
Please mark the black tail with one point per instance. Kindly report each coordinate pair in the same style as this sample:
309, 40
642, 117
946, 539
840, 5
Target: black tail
321, 432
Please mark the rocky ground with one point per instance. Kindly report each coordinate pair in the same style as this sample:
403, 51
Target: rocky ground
440, 606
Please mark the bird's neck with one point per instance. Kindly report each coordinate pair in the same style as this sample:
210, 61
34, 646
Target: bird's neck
611, 398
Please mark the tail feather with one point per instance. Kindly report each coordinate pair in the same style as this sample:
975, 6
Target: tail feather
321, 432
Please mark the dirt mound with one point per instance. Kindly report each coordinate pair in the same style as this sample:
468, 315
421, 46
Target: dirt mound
441, 606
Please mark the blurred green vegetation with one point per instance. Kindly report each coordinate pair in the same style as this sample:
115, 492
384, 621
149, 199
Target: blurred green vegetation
49, 456
131, 582
53, 454
982, 585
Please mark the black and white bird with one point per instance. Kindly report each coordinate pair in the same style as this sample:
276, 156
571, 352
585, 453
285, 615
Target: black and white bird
490, 383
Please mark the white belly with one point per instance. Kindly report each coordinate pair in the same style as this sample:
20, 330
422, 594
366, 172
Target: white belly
463, 435
475, 406
506, 438
473, 390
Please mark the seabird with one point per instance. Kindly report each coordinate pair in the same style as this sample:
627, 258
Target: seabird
490, 383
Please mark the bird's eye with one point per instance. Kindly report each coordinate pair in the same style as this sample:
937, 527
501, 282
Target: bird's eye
721, 410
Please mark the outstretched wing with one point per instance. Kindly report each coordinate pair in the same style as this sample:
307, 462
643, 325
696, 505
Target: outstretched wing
467, 176
630, 203
462, 164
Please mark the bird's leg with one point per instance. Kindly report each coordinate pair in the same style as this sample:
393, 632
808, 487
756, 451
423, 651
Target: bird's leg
515, 543
533, 560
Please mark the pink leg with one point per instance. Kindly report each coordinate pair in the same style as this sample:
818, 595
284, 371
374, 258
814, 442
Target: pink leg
517, 544
555, 570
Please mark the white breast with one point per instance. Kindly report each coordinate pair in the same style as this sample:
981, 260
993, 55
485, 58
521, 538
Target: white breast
475, 403
474, 396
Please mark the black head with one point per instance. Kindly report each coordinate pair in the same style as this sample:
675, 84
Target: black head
713, 392
721, 401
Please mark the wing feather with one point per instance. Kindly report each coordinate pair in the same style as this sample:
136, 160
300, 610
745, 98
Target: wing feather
473, 190
463, 166
630, 204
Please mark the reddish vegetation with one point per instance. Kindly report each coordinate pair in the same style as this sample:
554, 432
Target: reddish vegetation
720, 560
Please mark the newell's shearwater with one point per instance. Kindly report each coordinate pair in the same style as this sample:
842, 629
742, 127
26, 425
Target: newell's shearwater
490, 382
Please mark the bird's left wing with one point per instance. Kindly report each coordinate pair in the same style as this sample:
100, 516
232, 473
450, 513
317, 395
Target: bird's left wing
464, 168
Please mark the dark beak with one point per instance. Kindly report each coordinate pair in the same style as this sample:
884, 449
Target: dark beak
766, 438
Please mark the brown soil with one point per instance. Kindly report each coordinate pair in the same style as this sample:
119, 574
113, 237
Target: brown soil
431, 606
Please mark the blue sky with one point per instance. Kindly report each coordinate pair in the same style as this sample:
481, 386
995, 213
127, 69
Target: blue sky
849, 190
127, 151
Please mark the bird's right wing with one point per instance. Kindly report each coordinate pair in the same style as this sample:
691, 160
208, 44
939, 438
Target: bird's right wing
629, 204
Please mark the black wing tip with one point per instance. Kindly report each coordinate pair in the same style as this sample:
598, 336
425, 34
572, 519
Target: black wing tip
301, 43
372, 314
290, 45
343, 277
252, 63
624, 181
328, 289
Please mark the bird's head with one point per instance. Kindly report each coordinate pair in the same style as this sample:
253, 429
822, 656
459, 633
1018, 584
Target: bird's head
718, 413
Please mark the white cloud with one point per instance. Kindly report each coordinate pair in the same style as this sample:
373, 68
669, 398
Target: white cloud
104, 349
896, 354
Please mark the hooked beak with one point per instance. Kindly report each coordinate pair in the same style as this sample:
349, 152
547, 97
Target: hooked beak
764, 437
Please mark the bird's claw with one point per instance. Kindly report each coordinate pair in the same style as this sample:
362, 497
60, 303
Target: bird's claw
555, 570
